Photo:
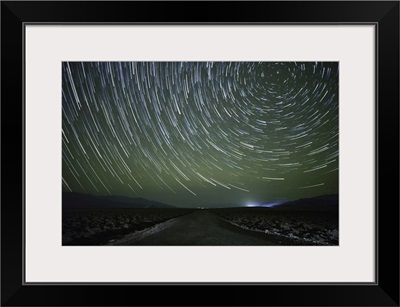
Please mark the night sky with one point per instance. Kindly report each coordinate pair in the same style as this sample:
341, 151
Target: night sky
201, 133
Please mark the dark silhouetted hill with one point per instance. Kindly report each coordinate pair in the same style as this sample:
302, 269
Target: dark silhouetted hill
319, 203
72, 200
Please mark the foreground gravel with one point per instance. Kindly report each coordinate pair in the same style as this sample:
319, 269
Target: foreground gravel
99, 226
199, 227
289, 226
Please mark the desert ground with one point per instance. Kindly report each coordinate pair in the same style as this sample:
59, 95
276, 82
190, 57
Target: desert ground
175, 226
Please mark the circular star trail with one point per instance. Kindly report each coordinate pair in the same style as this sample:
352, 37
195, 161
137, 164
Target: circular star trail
201, 133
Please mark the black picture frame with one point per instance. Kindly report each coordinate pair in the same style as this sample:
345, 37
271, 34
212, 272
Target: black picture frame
383, 14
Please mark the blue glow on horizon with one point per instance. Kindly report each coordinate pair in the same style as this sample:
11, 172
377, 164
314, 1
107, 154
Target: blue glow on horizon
265, 205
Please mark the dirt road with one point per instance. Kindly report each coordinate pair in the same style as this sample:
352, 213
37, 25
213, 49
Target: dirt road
197, 228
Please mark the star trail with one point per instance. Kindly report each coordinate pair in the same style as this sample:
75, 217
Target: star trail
192, 134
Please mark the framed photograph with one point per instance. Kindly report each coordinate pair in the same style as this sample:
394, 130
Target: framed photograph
244, 153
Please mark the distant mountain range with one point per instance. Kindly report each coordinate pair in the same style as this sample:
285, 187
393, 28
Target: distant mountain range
72, 200
323, 202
